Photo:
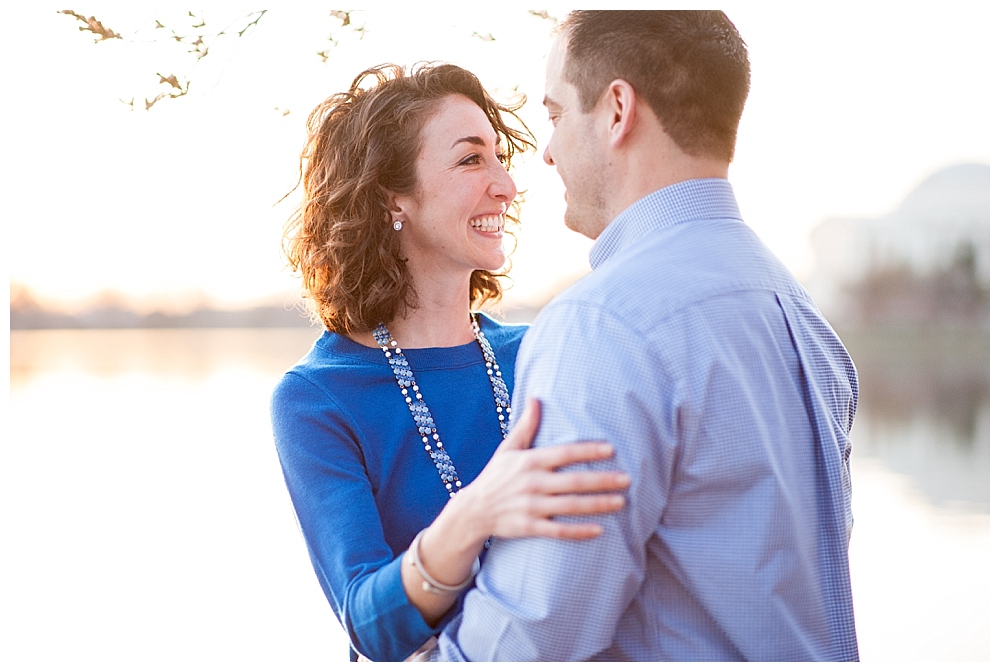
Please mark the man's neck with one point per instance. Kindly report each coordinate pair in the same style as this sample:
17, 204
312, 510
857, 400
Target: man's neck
644, 174
650, 160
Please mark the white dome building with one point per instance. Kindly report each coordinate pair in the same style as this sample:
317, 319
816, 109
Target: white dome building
944, 219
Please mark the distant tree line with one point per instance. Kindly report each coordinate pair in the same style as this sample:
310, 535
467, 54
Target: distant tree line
111, 312
27, 313
895, 295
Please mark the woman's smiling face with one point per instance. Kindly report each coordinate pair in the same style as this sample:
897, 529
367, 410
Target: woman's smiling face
454, 220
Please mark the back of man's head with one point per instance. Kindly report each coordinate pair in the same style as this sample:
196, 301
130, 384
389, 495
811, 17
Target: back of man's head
691, 67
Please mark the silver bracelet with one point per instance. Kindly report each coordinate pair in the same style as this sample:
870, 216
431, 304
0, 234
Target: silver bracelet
430, 584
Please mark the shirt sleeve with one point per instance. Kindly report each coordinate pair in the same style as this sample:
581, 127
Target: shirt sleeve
324, 471
832, 386
552, 600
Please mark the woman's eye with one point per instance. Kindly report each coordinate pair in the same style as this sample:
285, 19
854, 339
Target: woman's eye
475, 159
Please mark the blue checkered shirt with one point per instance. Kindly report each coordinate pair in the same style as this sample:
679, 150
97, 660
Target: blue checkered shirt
729, 399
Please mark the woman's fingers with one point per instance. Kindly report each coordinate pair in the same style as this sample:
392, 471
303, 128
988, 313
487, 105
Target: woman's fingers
574, 505
542, 527
527, 491
578, 481
539, 522
534, 513
553, 457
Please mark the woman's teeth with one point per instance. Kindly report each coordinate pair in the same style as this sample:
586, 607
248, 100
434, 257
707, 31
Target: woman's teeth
490, 224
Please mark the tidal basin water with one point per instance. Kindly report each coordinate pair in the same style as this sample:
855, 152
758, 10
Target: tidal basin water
147, 525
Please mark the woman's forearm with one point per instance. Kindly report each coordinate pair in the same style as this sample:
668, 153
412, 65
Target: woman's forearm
447, 552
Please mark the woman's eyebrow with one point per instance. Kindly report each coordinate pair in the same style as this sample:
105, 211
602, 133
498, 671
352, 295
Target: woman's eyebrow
474, 140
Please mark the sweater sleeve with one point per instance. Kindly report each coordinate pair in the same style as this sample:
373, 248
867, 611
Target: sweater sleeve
323, 465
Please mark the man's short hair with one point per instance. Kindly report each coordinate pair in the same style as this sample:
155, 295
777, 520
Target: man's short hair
690, 66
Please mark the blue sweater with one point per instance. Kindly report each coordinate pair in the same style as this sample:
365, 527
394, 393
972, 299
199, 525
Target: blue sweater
361, 483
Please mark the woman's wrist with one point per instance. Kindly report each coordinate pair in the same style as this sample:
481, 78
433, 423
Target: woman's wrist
454, 540
469, 523
441, 560
430, 584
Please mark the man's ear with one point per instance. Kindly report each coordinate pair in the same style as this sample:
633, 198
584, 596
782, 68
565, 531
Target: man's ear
621, 101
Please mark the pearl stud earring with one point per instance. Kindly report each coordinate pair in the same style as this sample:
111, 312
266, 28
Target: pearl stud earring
397, 225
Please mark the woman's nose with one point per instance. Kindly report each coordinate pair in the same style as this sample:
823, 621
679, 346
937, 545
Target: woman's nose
504, 188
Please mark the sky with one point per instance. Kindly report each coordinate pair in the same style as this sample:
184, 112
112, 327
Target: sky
851, 106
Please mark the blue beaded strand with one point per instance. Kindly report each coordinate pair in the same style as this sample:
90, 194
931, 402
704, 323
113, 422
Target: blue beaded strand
500, 394
422, 414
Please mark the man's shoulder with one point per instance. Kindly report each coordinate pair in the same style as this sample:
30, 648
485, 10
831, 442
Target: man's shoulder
598, 311
665, 276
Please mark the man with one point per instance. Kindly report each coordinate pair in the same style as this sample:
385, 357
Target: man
692, 350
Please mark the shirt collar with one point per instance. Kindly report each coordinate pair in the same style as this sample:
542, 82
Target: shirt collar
688, 201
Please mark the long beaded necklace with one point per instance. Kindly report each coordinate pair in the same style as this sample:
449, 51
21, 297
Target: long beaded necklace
422, 415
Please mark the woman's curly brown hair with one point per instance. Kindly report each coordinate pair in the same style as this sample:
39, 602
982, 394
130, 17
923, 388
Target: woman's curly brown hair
362, 144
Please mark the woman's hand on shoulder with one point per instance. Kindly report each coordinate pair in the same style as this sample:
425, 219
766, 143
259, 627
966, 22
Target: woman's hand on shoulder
516, 495
520, 490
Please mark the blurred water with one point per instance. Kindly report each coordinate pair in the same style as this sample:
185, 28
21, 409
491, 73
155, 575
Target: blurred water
146, 506
149, 528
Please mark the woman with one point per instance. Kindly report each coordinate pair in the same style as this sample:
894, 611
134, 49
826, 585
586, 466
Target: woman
402, 401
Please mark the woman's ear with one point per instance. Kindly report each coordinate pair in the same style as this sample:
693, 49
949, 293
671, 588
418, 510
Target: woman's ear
395, 205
